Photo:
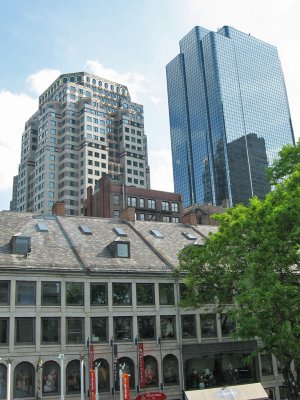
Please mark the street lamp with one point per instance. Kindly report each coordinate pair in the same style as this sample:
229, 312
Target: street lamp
39, 380
121, 369
8, 362
61, 357
97, 365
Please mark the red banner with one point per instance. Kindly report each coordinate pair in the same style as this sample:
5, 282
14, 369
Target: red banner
151, 396
140, 347
126, 386
92, 385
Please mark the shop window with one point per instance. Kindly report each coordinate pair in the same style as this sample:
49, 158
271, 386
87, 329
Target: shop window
51, 377
50, 330
145, 294
99, 329
24, 384
166, 294
168, 327
75, 330
170, 370
151, 371
146, 327
3, 380
25, 331
208, 325
25, 293
73, 377
50, 293
103, 375
74, 294
122, 294
188, 325
123, 328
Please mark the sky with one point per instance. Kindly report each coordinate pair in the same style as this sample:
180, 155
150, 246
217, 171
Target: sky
129, 42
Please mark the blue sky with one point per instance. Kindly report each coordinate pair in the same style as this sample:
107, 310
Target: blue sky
129, 42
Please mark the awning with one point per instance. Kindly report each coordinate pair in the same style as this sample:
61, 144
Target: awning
253, 391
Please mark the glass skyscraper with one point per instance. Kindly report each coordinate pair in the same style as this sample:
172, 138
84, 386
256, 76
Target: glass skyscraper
229, 116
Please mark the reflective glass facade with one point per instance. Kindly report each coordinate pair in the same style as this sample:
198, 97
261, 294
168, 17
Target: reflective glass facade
229, 116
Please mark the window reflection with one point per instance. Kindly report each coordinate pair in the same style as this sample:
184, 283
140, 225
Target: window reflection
3, 380
151, 371
103, 375
51, 378
73, 377
24, 380
170, 370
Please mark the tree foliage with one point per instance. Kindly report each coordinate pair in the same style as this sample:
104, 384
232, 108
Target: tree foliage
255, 255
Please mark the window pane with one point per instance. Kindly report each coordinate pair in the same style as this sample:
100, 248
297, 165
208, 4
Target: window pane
50, 330
168, 327
25, 328
99, 329
170, 370
103, 375
123, 328
208, 325
146, 327
151, 371
25, 294
266, 364
4, 292
166, 294
24, 380
188, 326
99, 294
3, 381
145, 293
122, 250
122, 294
227, 325
75, 330
51, 375
50, 293
75, 294
3, 334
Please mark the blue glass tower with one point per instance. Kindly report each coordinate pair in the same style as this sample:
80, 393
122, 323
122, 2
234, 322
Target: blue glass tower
229, 116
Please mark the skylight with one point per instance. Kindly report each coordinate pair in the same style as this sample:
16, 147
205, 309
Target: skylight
84, 229
42, 227
189, 236
120, 232
156, 233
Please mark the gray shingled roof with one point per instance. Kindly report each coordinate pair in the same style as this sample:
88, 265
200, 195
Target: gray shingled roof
64, 247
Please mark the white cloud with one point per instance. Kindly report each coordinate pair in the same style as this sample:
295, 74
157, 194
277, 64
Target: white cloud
12, 126
134, 81
156, 100
39, 81
161, 174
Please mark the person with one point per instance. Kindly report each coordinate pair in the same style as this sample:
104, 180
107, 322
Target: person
149, 374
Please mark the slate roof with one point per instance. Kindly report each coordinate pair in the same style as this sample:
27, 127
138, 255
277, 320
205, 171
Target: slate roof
65, 247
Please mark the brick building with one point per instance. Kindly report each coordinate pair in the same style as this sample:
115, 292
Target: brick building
110, 197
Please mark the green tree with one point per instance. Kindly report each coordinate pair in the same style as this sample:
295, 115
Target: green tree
255, 255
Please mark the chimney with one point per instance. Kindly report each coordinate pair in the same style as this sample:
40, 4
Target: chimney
128, 214
190, 219
59, 208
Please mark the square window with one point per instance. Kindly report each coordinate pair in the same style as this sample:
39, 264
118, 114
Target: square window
50, 293
74, 294
122, 294
166, 294
99, 329
75, 330
4, 336
25, 293
123, 328
145, 294
50, 330
227, 325
25, 331
146, 327
168, 327
98, 294
208, 325
4, 292
188, 325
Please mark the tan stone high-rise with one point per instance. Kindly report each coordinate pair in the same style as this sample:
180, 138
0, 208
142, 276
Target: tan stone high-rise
85, 126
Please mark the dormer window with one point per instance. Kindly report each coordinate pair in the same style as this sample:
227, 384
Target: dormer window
120, 249
20, 244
